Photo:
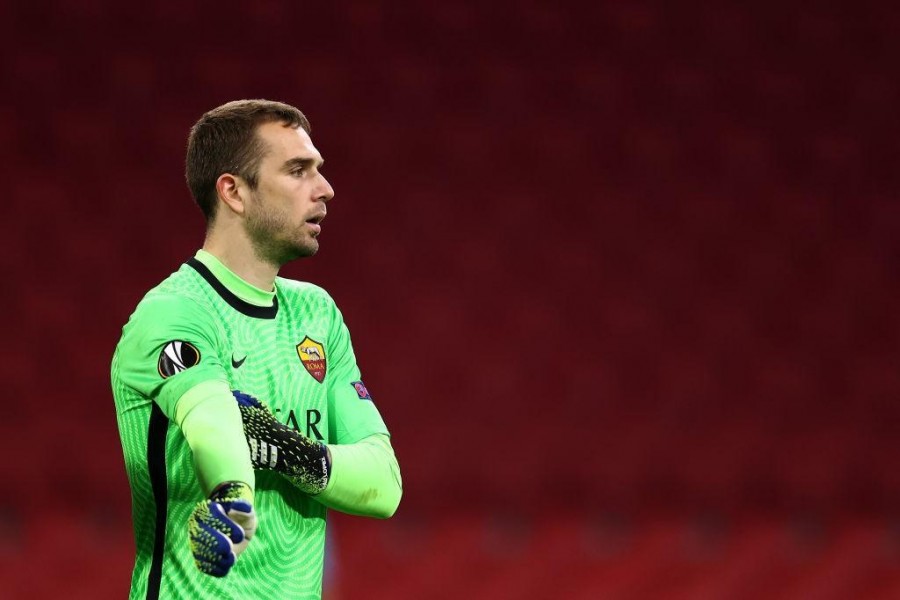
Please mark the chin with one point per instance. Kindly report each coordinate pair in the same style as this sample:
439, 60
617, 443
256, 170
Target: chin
283, 254
304, 250
311, 247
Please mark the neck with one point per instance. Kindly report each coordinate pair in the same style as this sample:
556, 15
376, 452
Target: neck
236, 252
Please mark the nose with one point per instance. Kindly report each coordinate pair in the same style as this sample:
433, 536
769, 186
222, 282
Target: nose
326, 192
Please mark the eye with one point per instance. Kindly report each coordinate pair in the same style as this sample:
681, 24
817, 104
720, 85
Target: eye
298, 172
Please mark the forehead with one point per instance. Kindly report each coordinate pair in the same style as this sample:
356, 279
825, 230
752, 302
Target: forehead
284, 143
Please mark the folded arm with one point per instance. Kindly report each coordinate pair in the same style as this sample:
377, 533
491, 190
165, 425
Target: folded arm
221, 526
365, 478
362, 478
211, 424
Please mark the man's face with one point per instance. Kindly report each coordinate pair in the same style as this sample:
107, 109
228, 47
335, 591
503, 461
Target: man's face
284, 212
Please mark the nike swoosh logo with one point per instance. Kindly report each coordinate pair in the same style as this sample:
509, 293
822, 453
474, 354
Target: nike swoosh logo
237, 363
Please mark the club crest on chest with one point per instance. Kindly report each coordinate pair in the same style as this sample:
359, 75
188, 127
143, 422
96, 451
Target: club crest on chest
312, 356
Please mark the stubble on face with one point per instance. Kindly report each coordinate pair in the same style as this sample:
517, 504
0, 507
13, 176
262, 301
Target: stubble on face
272, 236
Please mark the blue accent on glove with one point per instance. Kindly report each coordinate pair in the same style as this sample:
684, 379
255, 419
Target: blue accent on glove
213, 535
246, 400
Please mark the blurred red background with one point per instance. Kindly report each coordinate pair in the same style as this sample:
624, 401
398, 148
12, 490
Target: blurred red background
621, 277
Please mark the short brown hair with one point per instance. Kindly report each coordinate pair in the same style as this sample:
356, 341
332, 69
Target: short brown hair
224, 140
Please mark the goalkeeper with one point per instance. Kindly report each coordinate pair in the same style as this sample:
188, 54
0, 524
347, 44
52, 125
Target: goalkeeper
206, 524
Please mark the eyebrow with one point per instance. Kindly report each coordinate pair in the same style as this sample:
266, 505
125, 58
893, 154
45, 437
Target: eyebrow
293, 163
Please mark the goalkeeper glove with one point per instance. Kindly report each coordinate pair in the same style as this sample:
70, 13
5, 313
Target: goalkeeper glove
221, 527
277, 447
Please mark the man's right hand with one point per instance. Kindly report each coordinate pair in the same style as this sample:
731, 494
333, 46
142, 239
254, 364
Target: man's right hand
221, 527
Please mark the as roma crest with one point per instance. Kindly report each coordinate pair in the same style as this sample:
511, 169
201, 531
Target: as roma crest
312, 355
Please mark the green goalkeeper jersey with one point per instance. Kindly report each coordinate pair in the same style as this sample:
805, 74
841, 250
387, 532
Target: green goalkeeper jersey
291, 349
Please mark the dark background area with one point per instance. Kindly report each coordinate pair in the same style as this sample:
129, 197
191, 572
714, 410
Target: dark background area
621, 278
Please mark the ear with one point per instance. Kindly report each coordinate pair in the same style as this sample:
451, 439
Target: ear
230, 189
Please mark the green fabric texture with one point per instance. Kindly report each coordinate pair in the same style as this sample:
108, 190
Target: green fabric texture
299, 359
365, 478
211, 424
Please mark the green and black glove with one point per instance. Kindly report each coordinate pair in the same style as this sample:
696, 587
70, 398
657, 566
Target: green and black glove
276, 447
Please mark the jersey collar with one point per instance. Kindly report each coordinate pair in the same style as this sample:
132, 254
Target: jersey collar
241, 295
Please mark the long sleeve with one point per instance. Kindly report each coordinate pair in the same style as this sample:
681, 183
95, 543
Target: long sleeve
211, 424
365, 478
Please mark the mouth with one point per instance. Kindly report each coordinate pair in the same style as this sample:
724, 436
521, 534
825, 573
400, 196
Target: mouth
317, 220
315, 223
